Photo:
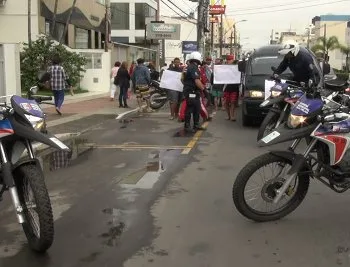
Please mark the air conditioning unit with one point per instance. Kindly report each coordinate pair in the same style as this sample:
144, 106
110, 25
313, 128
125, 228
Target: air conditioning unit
2, 3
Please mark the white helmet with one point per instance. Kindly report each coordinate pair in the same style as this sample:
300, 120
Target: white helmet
196, 56
290, 46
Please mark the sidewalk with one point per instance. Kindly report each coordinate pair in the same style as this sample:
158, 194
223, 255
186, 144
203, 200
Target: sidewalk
90, 108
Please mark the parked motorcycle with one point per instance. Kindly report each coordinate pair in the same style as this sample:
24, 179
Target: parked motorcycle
283, 96
158, 96
325, 124
23, 176
32, 95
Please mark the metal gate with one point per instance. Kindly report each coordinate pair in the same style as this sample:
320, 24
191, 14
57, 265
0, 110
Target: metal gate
2, 71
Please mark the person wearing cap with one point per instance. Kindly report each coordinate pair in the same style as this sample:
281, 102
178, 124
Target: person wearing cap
231, 92
299, 61
192, 91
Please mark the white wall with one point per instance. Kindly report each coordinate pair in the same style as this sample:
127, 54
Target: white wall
12, 68
97, 79
14, 21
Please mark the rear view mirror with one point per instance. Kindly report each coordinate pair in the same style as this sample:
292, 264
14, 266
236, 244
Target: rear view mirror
34, 89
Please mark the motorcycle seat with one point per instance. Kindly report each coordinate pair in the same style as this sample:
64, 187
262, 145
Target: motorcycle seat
336, 85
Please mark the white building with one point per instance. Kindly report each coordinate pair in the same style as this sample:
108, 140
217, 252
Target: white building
128, 19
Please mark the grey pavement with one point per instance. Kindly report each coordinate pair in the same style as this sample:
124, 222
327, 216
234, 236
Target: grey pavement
135, 200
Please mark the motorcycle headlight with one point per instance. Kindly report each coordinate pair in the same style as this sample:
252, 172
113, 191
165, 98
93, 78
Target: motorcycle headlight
36, 122
256, 94
295, 121
275, 93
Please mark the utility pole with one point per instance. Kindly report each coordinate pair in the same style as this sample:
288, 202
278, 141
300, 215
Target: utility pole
212, 35
308, 37
200, 24
30, 23
221, 33
325, 42
107, 28
235, 38
231, 43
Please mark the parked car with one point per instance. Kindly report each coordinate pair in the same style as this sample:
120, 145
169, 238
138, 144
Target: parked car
258, 69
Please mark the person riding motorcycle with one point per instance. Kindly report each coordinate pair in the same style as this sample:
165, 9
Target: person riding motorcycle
300, 62
192, 91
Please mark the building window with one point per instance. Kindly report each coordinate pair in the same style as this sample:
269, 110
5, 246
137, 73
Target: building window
93, 60
142, 11
96, 41
120, 16
59, 29
81, 38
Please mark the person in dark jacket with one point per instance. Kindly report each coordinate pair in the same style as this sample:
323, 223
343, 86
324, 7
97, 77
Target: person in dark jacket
123, 81
299, 61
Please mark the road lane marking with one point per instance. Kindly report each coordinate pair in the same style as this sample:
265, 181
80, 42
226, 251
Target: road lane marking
191, 144
92, 145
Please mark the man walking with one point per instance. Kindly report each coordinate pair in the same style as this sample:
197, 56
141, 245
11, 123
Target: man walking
174, 96
141, 79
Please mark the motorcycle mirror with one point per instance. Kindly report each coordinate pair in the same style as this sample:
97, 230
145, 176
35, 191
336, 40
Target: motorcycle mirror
34, 89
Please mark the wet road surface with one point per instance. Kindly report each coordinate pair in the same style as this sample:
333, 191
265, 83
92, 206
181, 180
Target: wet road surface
142, 202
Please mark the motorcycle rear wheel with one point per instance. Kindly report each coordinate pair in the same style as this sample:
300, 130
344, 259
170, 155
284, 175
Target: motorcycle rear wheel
157, 104
39, 224
267, 193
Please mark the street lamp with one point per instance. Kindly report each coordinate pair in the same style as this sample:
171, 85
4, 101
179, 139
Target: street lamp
234, 35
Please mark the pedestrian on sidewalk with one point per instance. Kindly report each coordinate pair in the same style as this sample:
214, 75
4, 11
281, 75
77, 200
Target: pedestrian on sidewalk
114, 72
59, 79
122, 80
141, 79
175, 97
231, 92
217, 89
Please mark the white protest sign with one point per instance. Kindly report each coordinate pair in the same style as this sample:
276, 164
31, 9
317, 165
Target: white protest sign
171, 80
227, 74
268, 85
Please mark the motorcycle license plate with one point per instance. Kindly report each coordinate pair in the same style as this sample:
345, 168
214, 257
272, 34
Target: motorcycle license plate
263, 104
268, 138
192, 96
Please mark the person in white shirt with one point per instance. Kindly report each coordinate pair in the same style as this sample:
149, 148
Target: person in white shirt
114, 72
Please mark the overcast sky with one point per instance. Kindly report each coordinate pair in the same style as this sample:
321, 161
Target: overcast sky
256, 31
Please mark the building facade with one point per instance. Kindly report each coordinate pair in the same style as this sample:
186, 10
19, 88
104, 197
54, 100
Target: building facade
128, 19
334, 25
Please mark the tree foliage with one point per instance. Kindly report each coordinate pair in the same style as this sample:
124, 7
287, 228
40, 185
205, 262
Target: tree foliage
324, 45
38, 58
346, 51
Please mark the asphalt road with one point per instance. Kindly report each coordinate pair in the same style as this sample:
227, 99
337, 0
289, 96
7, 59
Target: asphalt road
138, 199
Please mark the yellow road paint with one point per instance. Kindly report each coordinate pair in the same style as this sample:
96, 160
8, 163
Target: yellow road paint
194, 140
133, 146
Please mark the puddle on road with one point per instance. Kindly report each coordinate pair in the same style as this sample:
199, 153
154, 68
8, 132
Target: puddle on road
183, 133
147, 176
115, 227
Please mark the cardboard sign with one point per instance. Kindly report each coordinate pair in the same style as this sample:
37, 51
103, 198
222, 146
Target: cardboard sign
227, 74
171, 80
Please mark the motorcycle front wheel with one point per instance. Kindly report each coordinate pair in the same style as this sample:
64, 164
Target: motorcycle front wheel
246, 190
268, 124
39, 225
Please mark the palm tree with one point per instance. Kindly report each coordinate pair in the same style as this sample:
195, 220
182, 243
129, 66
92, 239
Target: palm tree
67, 22
30, 23
346, 51
325, 45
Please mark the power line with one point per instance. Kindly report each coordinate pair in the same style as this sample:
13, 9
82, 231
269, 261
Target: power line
272, 6
178, 8
291, 8
177, 12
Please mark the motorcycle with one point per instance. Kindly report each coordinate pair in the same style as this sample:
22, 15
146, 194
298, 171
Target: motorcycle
325, 125
32, 95
282, 98
158, 96
23, 176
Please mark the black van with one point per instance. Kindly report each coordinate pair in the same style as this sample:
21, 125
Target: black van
257, 70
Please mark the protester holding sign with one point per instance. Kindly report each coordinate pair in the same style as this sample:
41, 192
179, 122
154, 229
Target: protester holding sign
231, 92
174, 96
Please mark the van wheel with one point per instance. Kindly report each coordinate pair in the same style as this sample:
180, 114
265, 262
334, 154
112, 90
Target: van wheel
245, 120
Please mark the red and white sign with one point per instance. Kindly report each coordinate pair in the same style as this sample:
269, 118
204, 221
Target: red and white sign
217, 9
214, 19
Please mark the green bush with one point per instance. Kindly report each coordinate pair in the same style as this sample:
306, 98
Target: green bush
38, 58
